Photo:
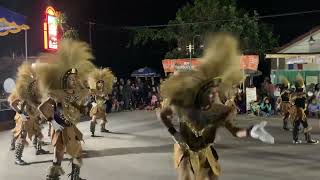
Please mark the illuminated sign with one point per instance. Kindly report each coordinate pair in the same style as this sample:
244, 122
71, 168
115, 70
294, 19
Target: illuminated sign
50, 29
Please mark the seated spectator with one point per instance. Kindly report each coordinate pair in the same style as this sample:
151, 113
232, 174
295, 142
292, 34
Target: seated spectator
266, 108
255, 108
154, 100
115, 106
314, 107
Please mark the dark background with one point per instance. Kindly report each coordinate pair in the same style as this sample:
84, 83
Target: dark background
110, 43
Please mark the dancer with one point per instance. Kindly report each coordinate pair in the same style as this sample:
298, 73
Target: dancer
100, 82
284, 101
297, 113
195, 98
61, 83
25, 101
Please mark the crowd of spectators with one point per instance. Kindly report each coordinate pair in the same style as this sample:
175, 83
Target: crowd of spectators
134, 94
266, 103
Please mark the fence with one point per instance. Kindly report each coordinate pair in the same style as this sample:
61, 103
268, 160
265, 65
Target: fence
4, 105
309, 76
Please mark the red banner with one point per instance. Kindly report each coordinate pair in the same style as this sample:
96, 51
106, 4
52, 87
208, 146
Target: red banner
170, 65
250, 62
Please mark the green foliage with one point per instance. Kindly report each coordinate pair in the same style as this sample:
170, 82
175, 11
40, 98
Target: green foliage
214, 16
71, 34
68, 32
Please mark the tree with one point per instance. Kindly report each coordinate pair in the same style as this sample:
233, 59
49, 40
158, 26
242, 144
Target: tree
67, 31
211, 16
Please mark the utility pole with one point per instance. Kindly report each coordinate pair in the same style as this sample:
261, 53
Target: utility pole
190, 47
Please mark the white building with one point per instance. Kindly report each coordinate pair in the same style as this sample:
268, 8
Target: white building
301, 55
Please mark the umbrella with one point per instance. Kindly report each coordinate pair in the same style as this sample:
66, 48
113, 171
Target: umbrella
144, 72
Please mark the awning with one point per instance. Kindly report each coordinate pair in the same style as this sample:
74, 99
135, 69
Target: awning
11, 22
299, 58
296, 55
145, 72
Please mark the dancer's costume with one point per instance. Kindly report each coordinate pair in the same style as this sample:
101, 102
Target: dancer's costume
195, 97
25, 100
297, 113
60, 81
100, 82
284, 101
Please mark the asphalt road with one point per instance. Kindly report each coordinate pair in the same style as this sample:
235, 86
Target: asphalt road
140, 148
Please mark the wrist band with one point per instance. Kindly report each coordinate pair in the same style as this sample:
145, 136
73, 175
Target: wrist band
50, 119
248, 131
172, 130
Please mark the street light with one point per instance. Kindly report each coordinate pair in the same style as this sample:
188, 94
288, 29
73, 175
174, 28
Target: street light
311, 40
190, 47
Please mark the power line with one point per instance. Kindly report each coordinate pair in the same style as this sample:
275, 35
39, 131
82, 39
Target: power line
209, 22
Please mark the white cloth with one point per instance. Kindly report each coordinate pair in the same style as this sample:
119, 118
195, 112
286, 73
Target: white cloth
258, 132
56, 126
24, 117
94, 104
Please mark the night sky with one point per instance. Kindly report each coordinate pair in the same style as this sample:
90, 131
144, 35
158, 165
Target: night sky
110, 43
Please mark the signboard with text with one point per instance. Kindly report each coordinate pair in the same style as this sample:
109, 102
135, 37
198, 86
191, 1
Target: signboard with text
247, 62
50, 29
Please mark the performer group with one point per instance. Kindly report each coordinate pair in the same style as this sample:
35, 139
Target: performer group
54, 90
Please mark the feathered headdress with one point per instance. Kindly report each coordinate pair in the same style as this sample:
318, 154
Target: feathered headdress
284, 81
26, 85
72, 57
105, 75
220, 66
299, 81
13, 96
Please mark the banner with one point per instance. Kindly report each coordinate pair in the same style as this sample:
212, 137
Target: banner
250, 62
247, 62
311, 80
171, 65
251, 95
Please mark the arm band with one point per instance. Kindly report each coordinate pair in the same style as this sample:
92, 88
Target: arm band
172, 130
248, 131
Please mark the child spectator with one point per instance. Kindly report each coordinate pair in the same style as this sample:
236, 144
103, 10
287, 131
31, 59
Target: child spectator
266, 107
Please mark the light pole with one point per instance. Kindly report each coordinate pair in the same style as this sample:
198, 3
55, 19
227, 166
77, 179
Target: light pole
190, 47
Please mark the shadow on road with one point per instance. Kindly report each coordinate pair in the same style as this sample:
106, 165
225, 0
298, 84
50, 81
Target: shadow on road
128, 150
47, 161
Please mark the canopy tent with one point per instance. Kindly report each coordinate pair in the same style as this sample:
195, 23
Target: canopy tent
145, 72
12, 22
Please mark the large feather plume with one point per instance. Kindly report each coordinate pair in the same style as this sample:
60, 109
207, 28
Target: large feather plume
105, 75
284, 80
26, 84
52, 67
299, 81
221, 60
13, 96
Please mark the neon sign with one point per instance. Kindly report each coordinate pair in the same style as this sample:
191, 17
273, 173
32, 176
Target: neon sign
50, 29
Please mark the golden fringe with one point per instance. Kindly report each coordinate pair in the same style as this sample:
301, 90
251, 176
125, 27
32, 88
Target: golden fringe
299, 80
221, 60
284, 80
105, 75
13, 96
26, 84
52, 67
